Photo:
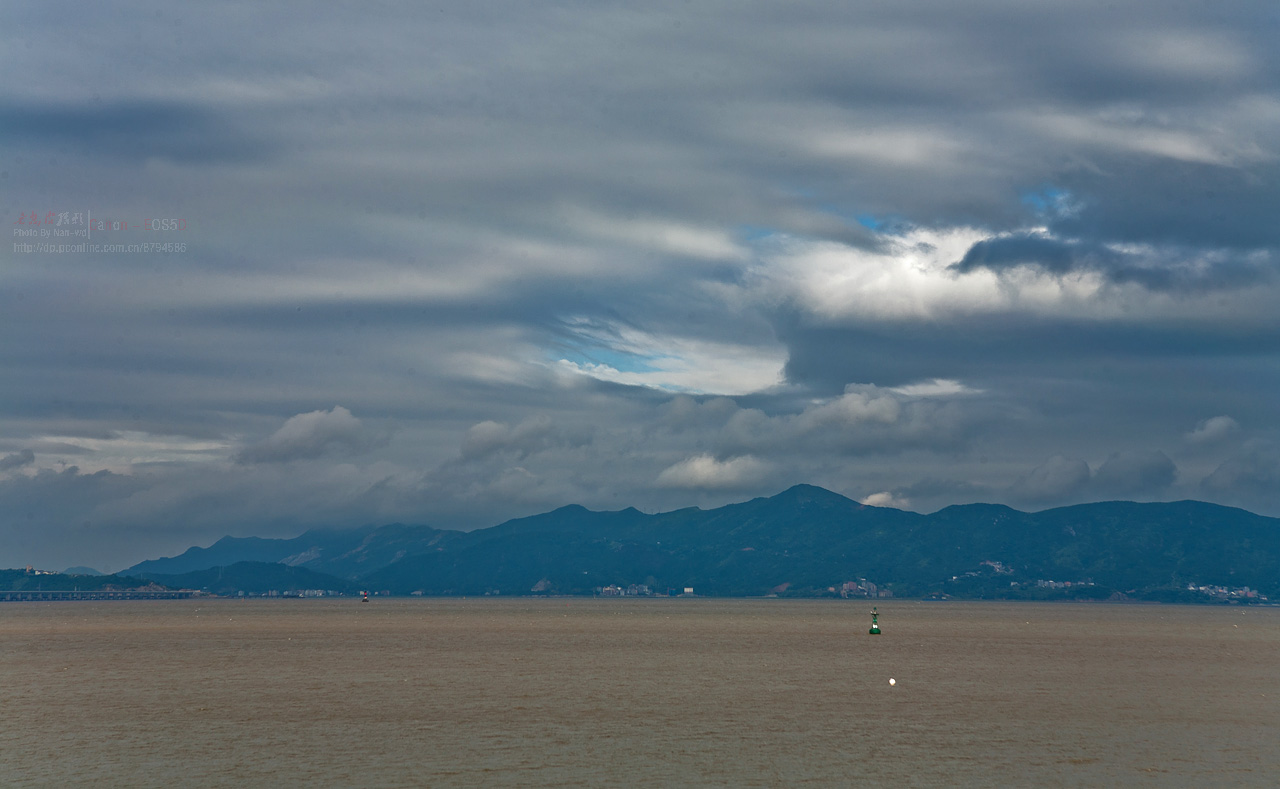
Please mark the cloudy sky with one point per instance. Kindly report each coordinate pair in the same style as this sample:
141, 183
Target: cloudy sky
454, 265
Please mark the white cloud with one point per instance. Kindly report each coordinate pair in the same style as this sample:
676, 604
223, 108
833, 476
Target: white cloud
911, 278
532, 435
1131, 130
704, 471
886, 499
909, 147
661, 235
121, 450
1187, 54
938, 387
865, 420
678, 364
1213, 430
311, 435
854, 407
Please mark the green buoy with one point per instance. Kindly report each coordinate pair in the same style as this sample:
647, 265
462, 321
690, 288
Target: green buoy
875, 626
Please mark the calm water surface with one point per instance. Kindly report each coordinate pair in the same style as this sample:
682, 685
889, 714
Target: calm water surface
674, 692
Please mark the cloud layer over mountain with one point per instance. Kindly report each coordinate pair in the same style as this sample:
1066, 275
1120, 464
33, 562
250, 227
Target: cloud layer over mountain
457, 265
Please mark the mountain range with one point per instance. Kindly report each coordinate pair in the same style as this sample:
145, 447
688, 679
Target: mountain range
803, 541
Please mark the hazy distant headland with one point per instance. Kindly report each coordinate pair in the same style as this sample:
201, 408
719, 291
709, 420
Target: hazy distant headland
805, 541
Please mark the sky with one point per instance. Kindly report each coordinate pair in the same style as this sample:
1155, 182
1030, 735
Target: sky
453, 265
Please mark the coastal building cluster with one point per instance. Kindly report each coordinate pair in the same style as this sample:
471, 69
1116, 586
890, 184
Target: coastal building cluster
631, 590
293, 593
1044, 584
996, 567
1223, 593
862, 588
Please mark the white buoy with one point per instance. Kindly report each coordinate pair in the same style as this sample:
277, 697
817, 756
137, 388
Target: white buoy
892, 681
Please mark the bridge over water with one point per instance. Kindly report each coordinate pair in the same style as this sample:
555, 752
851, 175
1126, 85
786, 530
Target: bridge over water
98, 594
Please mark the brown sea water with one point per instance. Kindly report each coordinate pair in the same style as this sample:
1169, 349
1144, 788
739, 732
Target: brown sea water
669, 692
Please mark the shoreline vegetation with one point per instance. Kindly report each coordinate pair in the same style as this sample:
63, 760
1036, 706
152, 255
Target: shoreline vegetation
17, 585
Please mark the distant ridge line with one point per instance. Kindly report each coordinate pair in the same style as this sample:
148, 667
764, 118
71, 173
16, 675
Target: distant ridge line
806, 540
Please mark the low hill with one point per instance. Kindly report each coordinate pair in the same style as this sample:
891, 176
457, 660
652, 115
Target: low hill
346, 553
82, 571
255, 578
23, 581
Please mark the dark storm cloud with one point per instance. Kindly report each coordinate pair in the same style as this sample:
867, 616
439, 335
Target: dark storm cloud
533, 435
1056, 480
132, 130
983, 350
1141, 475
1135, 474
1248, 476
1058, 257
17, 460
1197, 204
1155, 272
549, 254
